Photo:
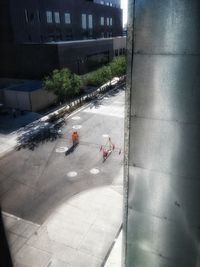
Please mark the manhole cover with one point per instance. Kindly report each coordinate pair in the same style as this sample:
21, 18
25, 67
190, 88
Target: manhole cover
72, 174
76, 127
94, 171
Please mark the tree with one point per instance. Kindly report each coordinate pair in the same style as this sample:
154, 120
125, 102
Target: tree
118, 66
99, 76
63, 83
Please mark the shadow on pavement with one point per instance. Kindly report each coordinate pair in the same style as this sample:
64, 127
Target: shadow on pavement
8, 124
5, 257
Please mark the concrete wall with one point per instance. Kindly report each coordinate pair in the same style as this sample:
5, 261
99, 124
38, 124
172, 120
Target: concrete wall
162, 171
119, 46
119, 42
30, 101
40, 99
17, 99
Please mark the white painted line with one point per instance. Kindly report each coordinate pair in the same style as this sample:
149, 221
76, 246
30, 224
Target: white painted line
61, 149
72, 174
76, 127
75, 118
105, 135
94, 171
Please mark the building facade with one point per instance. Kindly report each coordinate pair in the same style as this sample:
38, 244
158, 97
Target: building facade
113, 3
39, 21
38, 36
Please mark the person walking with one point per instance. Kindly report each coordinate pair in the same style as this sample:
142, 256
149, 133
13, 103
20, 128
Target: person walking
75, 138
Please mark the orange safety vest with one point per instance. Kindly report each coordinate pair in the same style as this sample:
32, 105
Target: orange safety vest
74, 136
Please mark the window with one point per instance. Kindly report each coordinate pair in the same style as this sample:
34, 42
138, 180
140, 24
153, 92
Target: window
84, 24
90, 21
107, 3
111, 22
67, 18
29, 38
102, 2
102, 21
57, 17
31, 17
108, 20
26, 15
38, 15
49, 17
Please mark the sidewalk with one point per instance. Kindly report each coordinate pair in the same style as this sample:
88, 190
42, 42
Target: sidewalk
114, 259
81, 240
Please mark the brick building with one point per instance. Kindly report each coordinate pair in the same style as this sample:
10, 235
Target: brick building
42, 21
38, 36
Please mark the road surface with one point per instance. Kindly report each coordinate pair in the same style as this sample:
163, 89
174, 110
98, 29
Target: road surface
43, 188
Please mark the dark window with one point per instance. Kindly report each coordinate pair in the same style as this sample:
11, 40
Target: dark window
90, 21
84, 22
102, 21
31, 16
57, 17
38, 15
67, 18
51, 38
29, 38
26, 15
49, 16
116, 52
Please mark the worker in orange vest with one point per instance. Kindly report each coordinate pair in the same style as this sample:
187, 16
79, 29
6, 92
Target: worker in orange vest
75, 138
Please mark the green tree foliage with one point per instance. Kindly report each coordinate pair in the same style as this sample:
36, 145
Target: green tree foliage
63, 83
66, 85
99, 76
118, 66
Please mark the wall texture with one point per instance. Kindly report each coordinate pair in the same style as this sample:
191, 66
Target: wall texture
162, 172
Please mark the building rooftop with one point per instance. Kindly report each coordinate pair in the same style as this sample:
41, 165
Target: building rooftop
26, 86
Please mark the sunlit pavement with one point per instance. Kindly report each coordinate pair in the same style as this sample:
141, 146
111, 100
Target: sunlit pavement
70, 208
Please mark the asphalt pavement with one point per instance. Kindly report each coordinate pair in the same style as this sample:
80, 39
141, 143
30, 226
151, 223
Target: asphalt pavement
67, 210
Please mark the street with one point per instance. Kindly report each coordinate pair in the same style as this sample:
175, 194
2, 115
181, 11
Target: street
71, 204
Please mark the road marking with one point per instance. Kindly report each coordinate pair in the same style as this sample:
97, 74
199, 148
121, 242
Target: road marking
76, 127
72, 174
75, 118
61, 149
105, 135
94, 171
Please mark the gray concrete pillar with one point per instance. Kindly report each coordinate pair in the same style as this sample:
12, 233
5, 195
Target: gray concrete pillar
162, 160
